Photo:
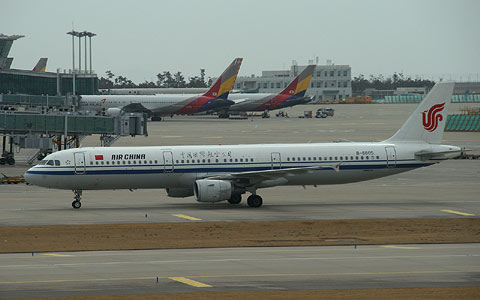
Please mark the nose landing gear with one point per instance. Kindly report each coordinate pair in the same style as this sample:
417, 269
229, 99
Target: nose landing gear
78, 196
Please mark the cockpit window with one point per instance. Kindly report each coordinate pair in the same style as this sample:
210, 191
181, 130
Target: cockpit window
57, 162
42, 162
50, 163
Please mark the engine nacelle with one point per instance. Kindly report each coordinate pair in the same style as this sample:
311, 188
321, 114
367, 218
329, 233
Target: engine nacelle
207, 190
113, 111
179, 192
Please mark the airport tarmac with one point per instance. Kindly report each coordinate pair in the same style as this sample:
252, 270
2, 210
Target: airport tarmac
234, 269
449, 189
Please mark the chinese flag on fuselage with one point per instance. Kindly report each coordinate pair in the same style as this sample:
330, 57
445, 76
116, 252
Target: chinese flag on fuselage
98, 157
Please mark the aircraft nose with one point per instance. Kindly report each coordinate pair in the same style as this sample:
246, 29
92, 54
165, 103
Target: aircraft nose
30, 177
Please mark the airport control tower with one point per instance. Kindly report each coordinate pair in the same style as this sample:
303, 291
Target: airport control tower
5, 46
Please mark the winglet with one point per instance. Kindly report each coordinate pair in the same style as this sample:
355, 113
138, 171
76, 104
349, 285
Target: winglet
41, 65
224, 84
300, 84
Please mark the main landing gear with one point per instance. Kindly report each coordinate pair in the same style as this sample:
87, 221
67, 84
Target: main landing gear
78, 196
252, 200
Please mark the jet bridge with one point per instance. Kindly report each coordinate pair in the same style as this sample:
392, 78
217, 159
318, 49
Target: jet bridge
57, 130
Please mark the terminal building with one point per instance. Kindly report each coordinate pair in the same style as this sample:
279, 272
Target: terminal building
329, 82
59, 83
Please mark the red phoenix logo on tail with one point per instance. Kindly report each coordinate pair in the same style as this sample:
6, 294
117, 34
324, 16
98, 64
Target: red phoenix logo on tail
432, 117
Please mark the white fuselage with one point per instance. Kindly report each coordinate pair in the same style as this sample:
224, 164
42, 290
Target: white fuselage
180, 166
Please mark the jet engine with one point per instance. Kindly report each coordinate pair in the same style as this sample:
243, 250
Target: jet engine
114, 112
207, 190
179, 192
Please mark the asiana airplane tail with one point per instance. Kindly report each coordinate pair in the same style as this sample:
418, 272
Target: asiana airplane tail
224, 84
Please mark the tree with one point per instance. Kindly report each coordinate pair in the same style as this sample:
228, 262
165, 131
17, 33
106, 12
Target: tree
179, 80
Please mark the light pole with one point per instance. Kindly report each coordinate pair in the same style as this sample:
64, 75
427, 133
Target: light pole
73, 33
90, 35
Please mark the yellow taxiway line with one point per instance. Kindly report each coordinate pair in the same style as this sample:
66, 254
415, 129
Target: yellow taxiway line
457, 212
56, 255
186, 217
190, 282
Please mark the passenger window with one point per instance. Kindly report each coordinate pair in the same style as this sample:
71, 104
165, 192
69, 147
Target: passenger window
156, 161
96, 162
341, 157
366, 157
150, 162
241, 159
176, 161
293, 158
134, 162
107, 162
216, 160
50, 163
145, 162
351, 157
118, 162
251, 159
346, 157
361, 157
198, 161
231, 160
309, 158
129, 163
330, 158
236, 159
203, 161
208, 160
91, 163
336, 158
356, 157
378, 157
224, 160
102, 162
299, 159
288, 158
57, 162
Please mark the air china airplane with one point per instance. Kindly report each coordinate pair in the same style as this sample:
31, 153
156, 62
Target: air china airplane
225, 172
293, 94
167, 104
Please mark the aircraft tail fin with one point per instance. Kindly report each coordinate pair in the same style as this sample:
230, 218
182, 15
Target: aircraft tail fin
427, 122
41, 65
300, 84
224, 84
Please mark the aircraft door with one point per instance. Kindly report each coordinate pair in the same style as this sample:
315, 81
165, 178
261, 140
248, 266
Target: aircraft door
391, 157
79, 159
168, 161
276, 160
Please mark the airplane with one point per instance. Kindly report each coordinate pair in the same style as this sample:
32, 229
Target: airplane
167, 104
41, 65
214, 173
292, 95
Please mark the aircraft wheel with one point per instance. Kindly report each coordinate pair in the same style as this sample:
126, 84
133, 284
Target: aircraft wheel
254, 201
76, 204
235, 199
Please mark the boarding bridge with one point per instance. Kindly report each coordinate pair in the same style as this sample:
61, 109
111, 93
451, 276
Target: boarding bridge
59, 130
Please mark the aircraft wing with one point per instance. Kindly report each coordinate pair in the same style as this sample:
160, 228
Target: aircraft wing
135, 107
256, 176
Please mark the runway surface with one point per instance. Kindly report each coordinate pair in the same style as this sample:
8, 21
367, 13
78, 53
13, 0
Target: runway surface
449, 189
132, 272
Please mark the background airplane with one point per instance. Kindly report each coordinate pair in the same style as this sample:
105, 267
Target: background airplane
293, 94
214, 173
41, 65
167, 104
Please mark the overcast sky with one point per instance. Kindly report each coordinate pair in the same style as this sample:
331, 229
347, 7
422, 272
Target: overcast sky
139, 39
